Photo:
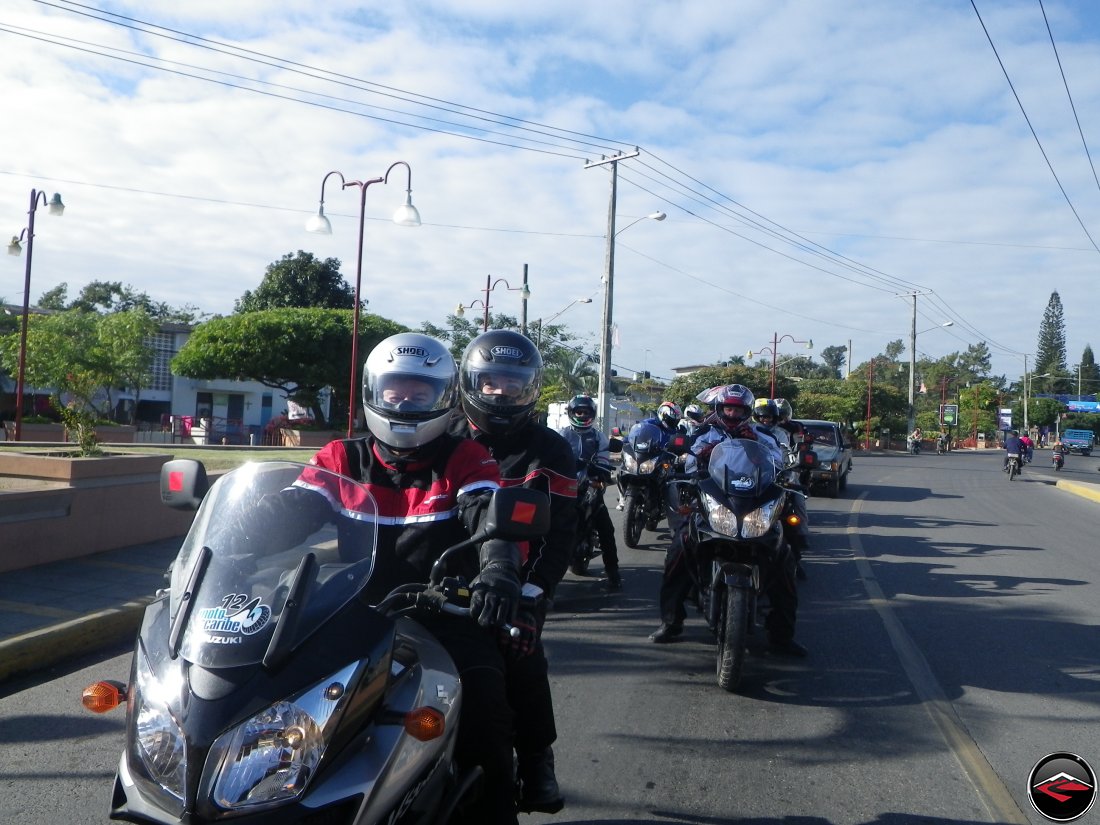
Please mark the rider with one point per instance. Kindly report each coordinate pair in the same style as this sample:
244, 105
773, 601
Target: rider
1014, 445
431, 489
1029, 447
500, 378
692, 420
590, 446
765, 412
733, 406
915, 439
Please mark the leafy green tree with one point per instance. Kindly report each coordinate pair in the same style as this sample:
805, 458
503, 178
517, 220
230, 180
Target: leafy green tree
299, 351
833, 357
299, 280
83, 356
1088, 377
112, 296
1050, 350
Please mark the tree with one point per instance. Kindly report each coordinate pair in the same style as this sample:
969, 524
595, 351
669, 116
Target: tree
833, 358
299, 351
85, 357
112, 296
1088, 377
1050, 350
299, 281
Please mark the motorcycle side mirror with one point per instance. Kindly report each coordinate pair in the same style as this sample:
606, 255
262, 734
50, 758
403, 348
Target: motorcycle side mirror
678, 444
615, 444
517, 514
183, 483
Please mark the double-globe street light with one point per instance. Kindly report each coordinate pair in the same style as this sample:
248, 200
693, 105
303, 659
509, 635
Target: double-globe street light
774, 350
604, 390
405, 215
56, 207
490, 286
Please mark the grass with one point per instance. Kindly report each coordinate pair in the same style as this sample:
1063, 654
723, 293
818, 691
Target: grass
215, 458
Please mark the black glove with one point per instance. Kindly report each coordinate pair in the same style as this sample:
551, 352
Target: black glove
745, 431
495, 594
529, 620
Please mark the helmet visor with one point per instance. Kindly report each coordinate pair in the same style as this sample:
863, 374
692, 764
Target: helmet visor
408, 392
502, 386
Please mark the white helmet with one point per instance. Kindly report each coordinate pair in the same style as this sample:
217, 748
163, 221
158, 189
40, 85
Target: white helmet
410, 385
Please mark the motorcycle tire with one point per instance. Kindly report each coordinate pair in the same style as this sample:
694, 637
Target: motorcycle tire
733, 628
635, 519
1012, 471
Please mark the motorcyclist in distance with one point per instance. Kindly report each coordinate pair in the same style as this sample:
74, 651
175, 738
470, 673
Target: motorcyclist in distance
692, 420
1014, 446
667, 422
591, 448
431, 490
1029, 448
500, 378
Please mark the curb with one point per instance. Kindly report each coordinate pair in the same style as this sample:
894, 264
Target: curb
84, 634
1089, 491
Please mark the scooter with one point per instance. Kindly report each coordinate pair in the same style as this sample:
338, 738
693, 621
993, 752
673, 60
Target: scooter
1057, 459
265, 686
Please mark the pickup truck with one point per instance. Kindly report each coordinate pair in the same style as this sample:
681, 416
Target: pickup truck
1078, 441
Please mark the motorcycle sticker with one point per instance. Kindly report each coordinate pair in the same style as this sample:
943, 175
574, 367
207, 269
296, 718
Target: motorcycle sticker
236, 614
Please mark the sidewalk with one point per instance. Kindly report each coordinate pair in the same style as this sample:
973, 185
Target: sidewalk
55, 611
62, 609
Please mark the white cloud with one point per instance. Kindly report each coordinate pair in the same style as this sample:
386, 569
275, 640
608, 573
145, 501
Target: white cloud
885, 132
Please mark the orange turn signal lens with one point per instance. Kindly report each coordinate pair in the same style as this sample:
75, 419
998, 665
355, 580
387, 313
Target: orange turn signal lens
793, 520
425, 724
100, 697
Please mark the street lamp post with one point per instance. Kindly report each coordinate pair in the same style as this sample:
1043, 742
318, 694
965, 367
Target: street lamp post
913, 361
774, 349
56, 207
491, 285
405, 215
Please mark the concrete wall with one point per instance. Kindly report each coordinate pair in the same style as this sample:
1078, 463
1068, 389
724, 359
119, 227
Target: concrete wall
66, 508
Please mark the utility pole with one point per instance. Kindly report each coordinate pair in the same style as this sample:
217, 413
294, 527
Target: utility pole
912, 366
604, 402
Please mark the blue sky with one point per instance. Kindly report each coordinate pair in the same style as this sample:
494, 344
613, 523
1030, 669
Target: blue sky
885, 133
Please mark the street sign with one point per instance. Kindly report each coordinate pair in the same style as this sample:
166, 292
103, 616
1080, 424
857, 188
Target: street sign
949, 414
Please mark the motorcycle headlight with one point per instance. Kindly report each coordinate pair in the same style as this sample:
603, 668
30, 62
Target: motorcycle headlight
271, 757
159, 743
646, 467
720, 517
630, 464
759, 521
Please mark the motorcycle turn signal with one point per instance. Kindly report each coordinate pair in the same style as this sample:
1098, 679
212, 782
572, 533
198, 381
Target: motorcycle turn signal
100, 697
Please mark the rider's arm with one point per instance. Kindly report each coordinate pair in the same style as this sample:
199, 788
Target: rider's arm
548, 558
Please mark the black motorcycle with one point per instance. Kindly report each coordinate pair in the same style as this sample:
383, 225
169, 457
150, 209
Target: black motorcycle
644, 471
734, 533
265, 688
590, 489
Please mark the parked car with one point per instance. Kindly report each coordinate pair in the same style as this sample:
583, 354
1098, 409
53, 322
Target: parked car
834, 456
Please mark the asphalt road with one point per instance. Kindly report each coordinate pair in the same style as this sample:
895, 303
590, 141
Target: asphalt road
951, 618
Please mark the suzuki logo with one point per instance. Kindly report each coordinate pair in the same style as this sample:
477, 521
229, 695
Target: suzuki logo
507, 352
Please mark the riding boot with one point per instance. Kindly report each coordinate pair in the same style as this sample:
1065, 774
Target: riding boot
539, 789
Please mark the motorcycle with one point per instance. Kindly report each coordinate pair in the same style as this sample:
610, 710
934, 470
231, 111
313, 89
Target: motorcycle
264, 686
941, 445
734, 530
1012, 466
644, 471
590, 489
1057, 459
913, 445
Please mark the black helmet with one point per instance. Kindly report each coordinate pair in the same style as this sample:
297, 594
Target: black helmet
582, 411
500, 380
409, 389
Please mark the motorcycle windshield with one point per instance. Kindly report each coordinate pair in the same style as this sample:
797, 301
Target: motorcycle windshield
644, 439
741, 467
273, 544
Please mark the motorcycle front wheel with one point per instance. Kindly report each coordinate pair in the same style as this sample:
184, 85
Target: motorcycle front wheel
582, 555
635, 518
733, 627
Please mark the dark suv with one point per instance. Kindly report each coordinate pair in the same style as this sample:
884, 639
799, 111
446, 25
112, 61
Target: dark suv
834, 456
